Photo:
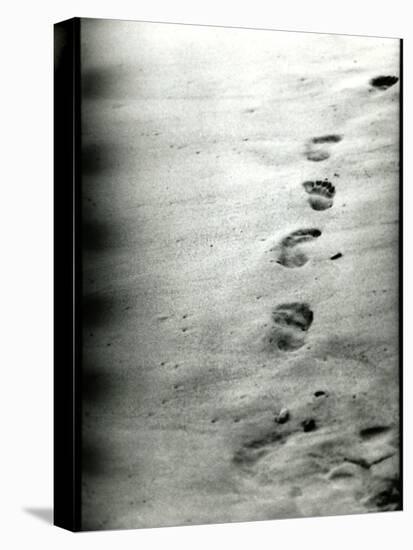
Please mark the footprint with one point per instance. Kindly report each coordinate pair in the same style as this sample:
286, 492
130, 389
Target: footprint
255, 449
321, 194
291, 323
386, 496
378, 442
288, 253
383, 82
374, 432
318, 148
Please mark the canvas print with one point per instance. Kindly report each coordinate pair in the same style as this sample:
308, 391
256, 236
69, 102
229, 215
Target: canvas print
236, 211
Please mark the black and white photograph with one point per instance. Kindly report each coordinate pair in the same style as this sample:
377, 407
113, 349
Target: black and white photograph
239, 264
205, 283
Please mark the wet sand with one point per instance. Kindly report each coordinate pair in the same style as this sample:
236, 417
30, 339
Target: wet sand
240, 192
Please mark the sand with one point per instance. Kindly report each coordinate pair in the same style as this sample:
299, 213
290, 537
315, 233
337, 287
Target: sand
240, 192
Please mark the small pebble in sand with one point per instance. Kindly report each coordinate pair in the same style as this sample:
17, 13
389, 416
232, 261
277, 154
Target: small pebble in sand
283, 416
336, 256
309, 425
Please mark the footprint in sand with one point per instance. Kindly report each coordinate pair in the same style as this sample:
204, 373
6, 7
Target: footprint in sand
255, 449
321, 194
383, 82
386, 496
290, 325
367, 468
318, 148
289, 254
374, 432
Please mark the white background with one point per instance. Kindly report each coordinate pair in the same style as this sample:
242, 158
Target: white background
26, 272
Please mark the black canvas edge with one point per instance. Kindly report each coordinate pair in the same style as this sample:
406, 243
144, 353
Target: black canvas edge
67, 277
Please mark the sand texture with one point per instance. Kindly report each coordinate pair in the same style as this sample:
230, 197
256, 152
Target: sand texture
241, 207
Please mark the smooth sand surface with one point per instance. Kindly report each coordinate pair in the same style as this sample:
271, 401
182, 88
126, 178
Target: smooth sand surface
212, 301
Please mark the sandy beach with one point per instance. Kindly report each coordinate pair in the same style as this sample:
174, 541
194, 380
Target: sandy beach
240, 193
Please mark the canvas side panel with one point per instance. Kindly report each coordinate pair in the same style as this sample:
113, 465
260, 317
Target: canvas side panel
67, 277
